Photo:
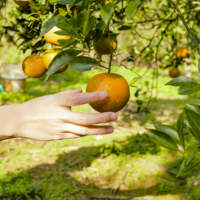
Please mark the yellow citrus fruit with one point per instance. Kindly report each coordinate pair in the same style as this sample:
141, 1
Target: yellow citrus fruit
102, 46
53, 38
49, 55
33, 66
117, 88
182, 52
174, 72
24, 4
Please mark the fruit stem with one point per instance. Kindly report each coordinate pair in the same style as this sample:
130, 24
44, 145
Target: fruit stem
111, 55
186, 26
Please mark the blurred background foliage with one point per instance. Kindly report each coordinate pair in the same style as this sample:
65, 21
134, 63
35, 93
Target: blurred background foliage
147, 41
147, 36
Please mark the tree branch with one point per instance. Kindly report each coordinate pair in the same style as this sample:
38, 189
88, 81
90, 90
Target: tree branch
186, 26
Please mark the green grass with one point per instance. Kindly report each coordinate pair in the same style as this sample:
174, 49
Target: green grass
74, 169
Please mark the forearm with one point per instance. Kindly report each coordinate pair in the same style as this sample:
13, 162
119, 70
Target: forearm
9, 117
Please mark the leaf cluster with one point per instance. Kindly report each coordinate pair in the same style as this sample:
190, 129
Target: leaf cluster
186, 136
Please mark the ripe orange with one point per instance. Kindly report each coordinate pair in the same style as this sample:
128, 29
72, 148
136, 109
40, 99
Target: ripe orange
102, 46
48, 56
24, 4
117, 88
181, 52
33, 66
174, 72
53, 38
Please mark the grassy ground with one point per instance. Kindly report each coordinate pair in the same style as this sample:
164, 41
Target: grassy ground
93, 166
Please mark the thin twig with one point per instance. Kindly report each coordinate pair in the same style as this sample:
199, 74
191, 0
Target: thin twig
120, 182
186, 26
188, 190
160, 167
110, 62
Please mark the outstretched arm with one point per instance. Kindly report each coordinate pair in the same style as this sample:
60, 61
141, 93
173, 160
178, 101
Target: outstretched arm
51, 118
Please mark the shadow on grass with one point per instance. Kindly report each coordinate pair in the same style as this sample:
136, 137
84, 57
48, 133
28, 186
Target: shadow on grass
62, 180
163, 111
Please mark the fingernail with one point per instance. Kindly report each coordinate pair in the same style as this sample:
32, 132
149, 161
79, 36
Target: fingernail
103, 95
113, 116
110, 130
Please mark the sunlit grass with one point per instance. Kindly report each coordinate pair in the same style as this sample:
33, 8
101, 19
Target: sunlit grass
73, 169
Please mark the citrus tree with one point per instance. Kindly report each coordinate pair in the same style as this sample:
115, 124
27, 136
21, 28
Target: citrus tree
63, 33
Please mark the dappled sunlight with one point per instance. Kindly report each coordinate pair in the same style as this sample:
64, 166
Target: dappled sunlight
163, 111
95, 165
78, 171
126, 164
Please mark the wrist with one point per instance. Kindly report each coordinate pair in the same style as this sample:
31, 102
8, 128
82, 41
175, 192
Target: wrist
9, 120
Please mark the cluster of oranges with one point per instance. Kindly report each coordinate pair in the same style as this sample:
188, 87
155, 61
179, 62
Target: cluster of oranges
181, 52
116, 86
35, 66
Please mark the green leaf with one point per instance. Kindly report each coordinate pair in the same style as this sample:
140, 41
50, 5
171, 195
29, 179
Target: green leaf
68, 28
101, 25
169, 130
66, 43
193, 107
82, 21
189, 88
123, 27
162, 139
191, 152
82, 63
184, 169
106, 12
193, 119
27, 17
69, 2
112, 37
179, 81
188, 129
199, 65
50, 24
131, 7
84, 5
61, 59
90, 25
180, 125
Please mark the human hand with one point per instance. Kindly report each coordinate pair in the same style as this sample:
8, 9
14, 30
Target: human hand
50, 117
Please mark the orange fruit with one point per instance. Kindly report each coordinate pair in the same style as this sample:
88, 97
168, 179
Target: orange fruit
53, 38
182, 52
49, 55
174, 72
117, 88
102, 46
33, 66
24, 4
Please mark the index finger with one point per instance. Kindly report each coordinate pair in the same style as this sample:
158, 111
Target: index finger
82, 98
